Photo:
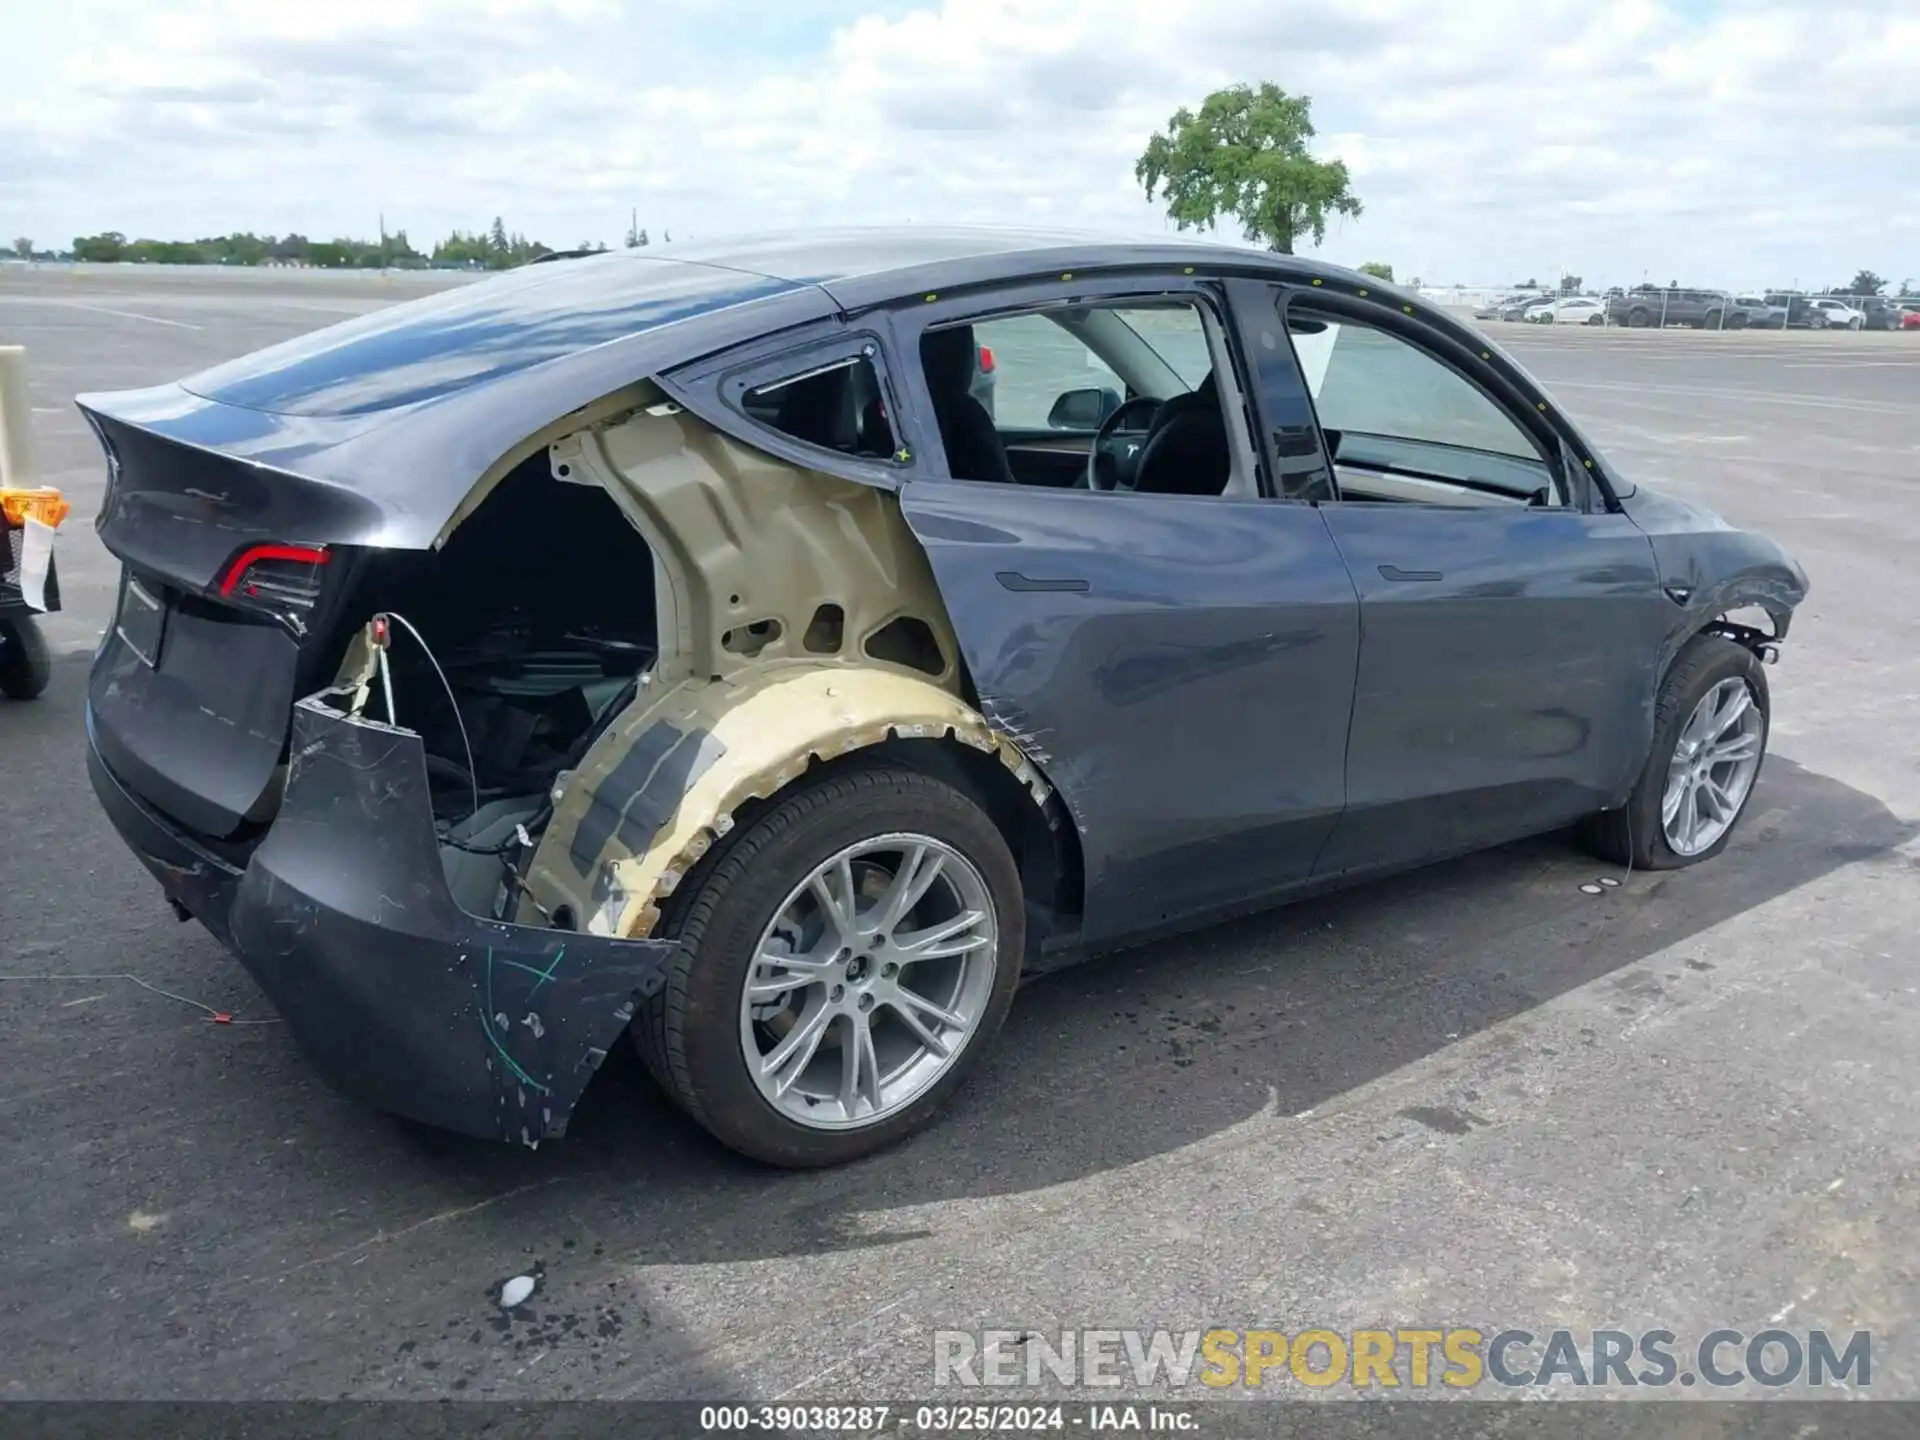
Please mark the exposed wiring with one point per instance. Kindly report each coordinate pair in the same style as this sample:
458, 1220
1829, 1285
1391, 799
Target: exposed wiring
386, 686
219, 1017
473, 776
521, 835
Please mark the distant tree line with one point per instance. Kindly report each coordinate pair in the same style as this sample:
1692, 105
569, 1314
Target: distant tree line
494, 248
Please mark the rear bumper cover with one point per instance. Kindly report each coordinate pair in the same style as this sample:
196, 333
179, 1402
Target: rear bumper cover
402, 1000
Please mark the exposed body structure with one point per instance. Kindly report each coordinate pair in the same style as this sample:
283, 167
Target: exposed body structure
688, 646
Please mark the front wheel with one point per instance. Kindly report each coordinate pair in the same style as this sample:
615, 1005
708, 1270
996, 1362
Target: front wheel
25, 664
1709, 738
846, 961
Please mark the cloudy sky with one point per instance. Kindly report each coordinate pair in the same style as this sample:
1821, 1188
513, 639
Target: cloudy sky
1743, 142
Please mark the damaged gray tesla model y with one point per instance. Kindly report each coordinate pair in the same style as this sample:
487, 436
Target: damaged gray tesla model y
674, 643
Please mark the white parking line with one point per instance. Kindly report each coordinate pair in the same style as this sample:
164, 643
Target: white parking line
1849, 364
100, 310
130, 315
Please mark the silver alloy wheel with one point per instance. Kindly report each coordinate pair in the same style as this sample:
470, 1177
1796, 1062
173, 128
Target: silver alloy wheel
1712, 769
870, 980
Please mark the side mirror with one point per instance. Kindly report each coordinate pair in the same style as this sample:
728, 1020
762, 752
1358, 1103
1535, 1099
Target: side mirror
1085, 409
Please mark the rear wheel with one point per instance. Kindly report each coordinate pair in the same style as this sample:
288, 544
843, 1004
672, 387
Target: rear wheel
846, 962
1596, 320
25, 664
1709, 739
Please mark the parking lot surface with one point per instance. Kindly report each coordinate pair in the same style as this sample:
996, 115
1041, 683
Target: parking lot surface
1474, 1095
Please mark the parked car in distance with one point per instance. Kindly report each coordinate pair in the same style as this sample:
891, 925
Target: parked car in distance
674, 650
1750, 312
1880, 313
1569, 310
1799, 312
1910, 316
1840, 314
1491, 310
1519, 309
1647, 306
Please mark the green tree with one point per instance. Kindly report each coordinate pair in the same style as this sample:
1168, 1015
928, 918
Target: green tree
1245, 155
23, 247
104, 248
497, 238
1572, 284
1379, 269
1866, 283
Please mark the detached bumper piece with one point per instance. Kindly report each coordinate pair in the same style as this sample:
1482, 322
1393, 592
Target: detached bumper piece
403, 1001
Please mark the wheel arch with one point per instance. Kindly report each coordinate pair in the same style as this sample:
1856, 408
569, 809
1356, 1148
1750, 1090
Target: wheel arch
672, 778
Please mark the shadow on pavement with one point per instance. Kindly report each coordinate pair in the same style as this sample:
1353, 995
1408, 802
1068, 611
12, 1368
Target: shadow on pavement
307, 1247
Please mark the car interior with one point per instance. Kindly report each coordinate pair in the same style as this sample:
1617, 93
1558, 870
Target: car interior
1402, 426
1155, 434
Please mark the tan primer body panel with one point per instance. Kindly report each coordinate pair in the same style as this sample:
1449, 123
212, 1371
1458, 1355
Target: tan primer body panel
747, 551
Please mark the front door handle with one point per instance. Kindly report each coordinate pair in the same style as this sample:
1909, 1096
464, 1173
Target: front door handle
1394, 572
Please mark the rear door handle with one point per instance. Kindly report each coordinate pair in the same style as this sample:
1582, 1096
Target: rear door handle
1027, 585
1394, 572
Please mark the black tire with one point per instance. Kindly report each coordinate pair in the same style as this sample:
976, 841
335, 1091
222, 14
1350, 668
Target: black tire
1639, 319
25, 664
1596, 320
689, 1034
1632, 835
1736, 321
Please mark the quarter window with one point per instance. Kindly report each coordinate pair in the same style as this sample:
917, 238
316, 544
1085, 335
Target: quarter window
837, 405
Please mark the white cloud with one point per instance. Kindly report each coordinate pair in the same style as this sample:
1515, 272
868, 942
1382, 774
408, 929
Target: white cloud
1710, 140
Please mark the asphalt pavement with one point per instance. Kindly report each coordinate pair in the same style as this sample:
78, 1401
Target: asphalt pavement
1475, 1095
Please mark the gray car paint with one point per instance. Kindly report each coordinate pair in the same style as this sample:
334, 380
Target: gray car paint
1505, 685
1184, 670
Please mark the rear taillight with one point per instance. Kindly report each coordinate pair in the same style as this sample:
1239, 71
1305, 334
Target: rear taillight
986, 359
278, 580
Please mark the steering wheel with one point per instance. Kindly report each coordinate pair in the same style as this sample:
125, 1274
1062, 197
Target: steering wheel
1111, 459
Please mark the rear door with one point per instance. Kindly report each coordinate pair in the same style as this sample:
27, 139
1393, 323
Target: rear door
1505, 682
1180, 666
